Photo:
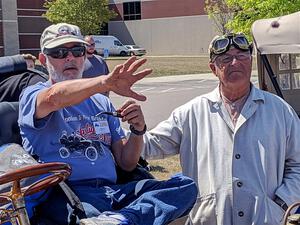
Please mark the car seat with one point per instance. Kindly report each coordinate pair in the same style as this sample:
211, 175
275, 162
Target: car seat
9, 132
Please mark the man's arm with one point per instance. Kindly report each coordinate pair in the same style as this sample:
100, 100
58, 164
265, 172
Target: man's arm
164, 140
127, 152
72, 92
12, 64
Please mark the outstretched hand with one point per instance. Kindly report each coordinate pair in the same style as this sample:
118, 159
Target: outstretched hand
121, 79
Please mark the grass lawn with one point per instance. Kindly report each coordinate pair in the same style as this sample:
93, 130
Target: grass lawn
164, 168
172, 65
167, 66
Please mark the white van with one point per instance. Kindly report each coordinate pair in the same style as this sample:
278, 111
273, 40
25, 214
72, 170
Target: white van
111, 43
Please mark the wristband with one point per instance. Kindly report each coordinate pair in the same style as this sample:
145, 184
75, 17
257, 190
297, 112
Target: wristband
136, 132
281, 203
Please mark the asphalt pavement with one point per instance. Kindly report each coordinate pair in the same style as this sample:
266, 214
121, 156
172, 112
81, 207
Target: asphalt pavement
164, 94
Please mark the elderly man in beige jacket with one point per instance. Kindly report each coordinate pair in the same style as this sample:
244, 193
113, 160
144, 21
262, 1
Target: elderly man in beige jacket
240, 144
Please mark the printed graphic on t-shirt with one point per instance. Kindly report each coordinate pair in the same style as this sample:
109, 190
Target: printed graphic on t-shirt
88, 140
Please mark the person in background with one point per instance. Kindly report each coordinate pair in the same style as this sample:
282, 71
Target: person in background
78, 126
94, 64
30, 60
17, 73
240, 144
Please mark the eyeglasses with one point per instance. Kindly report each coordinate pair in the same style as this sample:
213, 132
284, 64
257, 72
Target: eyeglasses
60, 53
92, 44
229, 58
223, 43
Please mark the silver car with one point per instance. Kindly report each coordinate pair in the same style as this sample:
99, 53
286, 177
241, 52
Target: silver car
135, 50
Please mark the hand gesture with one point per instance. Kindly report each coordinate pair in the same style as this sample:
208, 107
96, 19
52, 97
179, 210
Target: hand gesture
121, 79
132, 113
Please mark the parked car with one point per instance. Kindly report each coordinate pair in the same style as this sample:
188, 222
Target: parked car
135, 50
111, 44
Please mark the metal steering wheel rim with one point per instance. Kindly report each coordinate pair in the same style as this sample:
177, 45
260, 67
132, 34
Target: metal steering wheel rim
58, 172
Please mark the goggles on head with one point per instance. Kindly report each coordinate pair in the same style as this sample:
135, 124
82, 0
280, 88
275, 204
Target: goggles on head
223, 43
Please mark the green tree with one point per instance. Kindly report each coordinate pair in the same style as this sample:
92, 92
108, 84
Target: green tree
248, 11
89, 15
219, 12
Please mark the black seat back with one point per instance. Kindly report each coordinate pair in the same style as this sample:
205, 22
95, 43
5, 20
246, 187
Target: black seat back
9, 131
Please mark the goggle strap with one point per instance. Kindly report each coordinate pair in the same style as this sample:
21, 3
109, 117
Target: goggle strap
230, 41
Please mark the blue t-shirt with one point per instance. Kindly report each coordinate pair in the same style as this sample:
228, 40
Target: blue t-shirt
94, 66
74, 135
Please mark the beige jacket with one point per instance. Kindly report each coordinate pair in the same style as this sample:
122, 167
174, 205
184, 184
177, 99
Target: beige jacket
238, 170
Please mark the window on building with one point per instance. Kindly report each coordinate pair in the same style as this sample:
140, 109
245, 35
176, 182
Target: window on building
104, 29
132, 10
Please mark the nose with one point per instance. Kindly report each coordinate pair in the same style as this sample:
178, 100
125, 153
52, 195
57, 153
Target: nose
69, 56
234, 60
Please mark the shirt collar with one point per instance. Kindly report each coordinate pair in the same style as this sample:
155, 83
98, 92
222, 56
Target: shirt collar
255, 95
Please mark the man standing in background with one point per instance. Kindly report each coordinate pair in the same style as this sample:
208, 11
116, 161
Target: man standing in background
94, 64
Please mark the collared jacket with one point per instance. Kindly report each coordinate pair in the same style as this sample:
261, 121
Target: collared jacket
240, 169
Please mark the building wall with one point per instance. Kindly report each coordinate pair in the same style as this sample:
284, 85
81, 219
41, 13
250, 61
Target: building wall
1, 31
31, 25
9, 28
21, 25
167, 27
166, 36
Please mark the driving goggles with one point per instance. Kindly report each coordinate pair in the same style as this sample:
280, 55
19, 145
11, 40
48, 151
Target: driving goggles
62, 52
222, 44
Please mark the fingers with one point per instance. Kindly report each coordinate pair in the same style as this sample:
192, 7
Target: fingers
132, 64
126, 104
137, 64
132, 94
117, 68
109, 80
140, 75
137, 96
122, 78
132, 113
128, 62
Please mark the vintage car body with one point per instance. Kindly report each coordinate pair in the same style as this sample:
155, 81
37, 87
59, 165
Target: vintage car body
277, 42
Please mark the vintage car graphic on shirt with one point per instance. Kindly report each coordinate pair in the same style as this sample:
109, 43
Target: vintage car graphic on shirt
75, 143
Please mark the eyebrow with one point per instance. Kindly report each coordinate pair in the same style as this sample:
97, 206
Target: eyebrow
237, 53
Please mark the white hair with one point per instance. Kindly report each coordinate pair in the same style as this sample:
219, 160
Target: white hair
57, 76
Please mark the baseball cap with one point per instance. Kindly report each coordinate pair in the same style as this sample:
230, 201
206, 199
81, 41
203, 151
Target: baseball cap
59, 34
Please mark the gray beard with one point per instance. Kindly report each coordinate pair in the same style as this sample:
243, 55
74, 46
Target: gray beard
59, 77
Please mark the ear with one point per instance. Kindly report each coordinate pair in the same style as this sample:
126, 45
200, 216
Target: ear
212, 66
42, 59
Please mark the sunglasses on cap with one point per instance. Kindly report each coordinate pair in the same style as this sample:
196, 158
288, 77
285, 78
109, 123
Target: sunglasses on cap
62, 52
222, 44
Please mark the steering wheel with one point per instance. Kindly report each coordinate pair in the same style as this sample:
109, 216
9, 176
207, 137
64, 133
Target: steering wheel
55, 171
291, 219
